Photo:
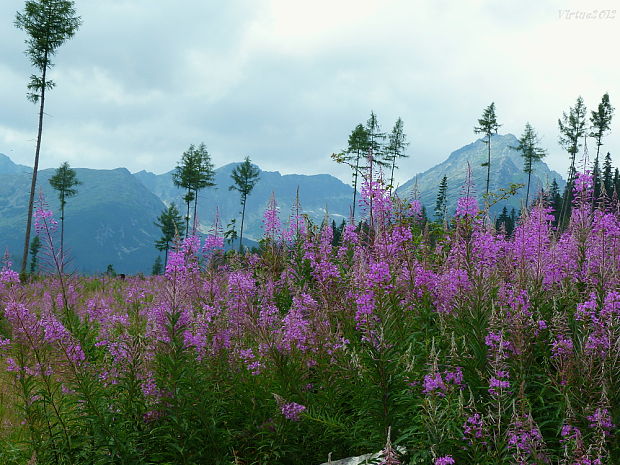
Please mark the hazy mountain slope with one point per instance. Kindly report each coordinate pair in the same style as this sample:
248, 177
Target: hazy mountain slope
317, 194
110, 221
506, 168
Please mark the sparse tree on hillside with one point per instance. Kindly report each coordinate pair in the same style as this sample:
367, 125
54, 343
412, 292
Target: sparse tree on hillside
531, 153
245, 176
488, 126
48, 23
397, 143
171, 223
194, 173
65, 182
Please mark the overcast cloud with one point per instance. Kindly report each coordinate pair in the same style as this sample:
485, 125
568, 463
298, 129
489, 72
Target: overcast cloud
285, 81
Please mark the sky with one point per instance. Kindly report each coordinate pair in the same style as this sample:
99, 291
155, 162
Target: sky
286, 81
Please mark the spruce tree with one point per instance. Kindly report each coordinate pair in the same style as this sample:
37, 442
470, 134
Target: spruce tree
397, 143
504, 220
441, 202
65, 182
555, 201
35, 246
488, 126
245, 176
171, 223
607, 174
158, 267
531, 153
49, 24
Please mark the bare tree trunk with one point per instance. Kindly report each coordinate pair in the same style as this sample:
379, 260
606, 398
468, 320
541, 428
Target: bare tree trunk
33, 185
62, 234
195, 207
489, 165
242, 219
357, 168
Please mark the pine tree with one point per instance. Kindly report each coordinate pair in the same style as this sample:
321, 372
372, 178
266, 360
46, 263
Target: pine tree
531, 153
158, 267
35, 246
65, 182
193, 173
397, 143
607, 174
170, 222
49, 24
555, 201
514, 215
376, 152
597, 180
488, 126
601, 121
245, 176
442, 198
572, 129
358, 147
506, 221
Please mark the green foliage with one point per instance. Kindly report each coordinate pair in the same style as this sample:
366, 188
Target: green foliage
531, 153
170, 223
441, 203
397, 143
35, 246
49, 24
158, 267
65, 182
194, 173
488, 126
601, 121
245, 176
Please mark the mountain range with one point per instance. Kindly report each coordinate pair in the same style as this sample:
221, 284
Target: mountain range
111, 220
506, 169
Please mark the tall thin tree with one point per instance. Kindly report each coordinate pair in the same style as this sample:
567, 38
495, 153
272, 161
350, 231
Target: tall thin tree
245, 176
572, 128
65, 182
488, 126
531, 153
600, 122
48, 23
353, 156
397, 143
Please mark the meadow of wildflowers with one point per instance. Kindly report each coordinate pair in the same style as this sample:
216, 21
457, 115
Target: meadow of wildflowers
468, 346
